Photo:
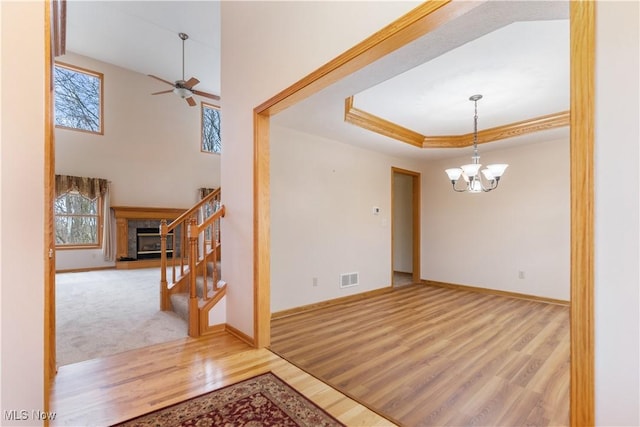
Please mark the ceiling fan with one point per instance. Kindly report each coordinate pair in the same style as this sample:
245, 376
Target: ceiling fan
184, 89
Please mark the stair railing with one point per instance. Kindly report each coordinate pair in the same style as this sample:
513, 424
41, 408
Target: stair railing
178, 264
204, 247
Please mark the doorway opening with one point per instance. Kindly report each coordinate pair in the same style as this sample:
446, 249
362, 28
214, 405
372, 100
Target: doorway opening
405, 227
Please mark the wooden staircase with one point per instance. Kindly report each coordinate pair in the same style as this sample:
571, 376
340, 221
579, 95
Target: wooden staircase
190, 282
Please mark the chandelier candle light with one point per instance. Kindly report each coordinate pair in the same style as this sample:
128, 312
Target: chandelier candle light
471, 173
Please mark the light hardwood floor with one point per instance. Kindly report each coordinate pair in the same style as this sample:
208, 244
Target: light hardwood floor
431, 356
120, 387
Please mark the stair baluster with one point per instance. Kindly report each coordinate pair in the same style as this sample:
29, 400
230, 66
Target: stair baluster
197, 246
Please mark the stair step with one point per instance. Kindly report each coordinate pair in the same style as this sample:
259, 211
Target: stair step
200, 286
180, 304
210, 268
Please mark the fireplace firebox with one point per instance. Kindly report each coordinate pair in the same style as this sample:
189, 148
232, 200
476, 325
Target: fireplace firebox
148, 243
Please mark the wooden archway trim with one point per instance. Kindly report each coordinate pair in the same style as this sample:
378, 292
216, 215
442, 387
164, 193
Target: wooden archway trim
416, 23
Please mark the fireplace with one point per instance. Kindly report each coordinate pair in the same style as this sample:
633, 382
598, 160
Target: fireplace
148, 243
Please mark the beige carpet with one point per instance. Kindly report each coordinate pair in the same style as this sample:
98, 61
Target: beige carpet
105, 312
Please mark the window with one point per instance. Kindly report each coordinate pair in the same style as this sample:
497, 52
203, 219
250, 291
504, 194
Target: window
78, 220
211, 142
78, 98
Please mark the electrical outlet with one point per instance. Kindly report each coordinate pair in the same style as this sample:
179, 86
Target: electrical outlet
315, 281
520, 274
376, 210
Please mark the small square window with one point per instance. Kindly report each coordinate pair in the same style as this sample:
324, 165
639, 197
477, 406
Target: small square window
78, 98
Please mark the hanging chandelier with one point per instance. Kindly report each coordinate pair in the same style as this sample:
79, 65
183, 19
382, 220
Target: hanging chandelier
474, 181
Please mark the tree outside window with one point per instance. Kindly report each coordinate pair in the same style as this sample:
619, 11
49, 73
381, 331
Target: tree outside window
77, 220
211, 140
78, 98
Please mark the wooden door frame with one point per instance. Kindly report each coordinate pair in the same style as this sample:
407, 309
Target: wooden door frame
52, 17
415, 215
414, 24
421, 20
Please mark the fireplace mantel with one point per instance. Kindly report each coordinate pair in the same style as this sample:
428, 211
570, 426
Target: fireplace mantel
124, 214
132, 212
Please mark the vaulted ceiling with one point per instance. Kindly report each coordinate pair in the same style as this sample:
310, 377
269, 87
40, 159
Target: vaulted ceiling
516, 54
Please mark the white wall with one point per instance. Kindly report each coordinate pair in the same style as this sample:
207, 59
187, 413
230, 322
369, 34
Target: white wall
486, 239
617, 275
150, 150
322, 224
266, 47
22, 214
21, 273
402, 223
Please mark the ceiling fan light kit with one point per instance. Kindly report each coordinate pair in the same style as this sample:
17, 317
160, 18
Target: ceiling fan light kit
470, 173
184, 88
182, 92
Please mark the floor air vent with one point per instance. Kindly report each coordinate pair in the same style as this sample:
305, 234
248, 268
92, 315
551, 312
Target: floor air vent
348, 279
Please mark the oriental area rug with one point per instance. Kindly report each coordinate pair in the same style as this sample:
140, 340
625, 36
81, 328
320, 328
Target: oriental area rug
264, 400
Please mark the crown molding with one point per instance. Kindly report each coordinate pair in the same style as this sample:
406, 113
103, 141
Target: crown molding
376, 124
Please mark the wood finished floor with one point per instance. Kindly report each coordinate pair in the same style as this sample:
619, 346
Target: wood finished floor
429, 356
116, 388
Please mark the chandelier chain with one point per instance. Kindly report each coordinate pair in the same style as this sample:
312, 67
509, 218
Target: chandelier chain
476, 180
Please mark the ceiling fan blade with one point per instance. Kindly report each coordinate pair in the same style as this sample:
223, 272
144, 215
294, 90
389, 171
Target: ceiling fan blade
164, 91
206, 95
162, 80
191, 101
191, 82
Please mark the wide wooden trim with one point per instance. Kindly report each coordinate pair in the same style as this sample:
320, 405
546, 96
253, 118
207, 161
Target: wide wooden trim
368, 121
59, 23
376, 124
536, 124
416, 23
132, 212
205, 328
495, 292
239, 334
582, 36
214, 329
49, 356
328, 303
261, 233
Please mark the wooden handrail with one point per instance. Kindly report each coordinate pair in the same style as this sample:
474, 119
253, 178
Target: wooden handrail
189, 213
209, 221
196, 244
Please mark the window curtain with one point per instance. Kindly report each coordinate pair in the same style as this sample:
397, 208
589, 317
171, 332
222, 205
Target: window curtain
88, 187
108, 228
93, 188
